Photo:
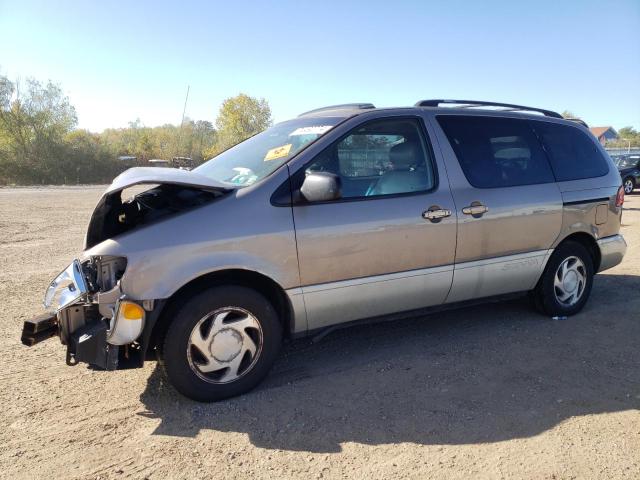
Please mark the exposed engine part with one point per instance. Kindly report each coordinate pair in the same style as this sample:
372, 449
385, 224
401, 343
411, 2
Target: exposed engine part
102, 273
75, 317
114, 216
109, 270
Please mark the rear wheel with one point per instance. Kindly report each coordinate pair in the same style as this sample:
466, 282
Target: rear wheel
629, 185
222, 343
565, 285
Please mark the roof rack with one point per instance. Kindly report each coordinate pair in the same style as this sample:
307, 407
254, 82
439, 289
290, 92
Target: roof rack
508, 107
578, 120
343, 106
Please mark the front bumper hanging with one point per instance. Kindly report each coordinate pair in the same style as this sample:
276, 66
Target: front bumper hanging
103, 328
77, 321
39, 328
87, 344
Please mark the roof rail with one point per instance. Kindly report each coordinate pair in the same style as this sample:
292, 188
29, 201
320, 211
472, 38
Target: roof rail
479, 103
343, 106
578, 120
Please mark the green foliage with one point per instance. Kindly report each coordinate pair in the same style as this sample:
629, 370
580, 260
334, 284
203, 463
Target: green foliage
569, 114
39, 143
240, 117
629, 133
628, 137
88, 159
163, 142
33, 123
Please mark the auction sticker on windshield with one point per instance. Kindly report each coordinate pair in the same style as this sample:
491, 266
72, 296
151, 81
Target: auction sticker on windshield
278, 152
313, 130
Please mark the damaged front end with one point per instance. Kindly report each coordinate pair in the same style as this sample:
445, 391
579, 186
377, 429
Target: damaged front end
90, 314
87, 305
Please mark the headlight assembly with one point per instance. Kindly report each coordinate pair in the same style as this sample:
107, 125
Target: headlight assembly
67, 288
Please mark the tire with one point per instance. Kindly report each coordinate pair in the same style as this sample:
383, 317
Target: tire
629, 184
554, 297
222, 343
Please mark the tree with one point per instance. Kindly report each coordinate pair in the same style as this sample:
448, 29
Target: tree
205, 137
40, 144
166, 141
33, 123
239, 118
569, 114
88, 159
628, 137
628, 133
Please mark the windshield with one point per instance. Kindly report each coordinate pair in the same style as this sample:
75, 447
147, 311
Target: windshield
258, 156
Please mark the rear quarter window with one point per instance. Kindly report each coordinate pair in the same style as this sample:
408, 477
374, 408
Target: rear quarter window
572, 154
496, 152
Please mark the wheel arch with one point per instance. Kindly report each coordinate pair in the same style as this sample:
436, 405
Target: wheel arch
239, 277
587, 241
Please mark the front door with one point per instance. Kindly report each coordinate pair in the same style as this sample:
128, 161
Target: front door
509, 206
388, 244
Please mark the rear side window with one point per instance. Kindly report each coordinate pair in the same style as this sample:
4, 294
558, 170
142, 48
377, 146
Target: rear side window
496, 152
573, 155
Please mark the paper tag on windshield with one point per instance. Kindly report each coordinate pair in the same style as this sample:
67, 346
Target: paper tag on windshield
314, 130
278, 152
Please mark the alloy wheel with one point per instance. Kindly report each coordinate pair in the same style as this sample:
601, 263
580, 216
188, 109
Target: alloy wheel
628, 186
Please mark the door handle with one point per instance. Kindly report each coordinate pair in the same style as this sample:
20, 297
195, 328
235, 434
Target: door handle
476, 209
436, 214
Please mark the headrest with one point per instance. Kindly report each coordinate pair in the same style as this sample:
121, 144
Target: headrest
404, 155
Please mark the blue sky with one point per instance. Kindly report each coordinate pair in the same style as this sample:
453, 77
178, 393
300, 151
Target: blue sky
118, 61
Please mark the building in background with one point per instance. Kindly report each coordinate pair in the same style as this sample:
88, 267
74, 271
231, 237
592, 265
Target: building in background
604, 134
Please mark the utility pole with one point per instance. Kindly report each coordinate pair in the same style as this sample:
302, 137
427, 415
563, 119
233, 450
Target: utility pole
184, 110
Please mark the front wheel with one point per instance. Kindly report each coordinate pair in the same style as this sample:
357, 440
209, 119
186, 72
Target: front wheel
629, 185
222, 343
565, 285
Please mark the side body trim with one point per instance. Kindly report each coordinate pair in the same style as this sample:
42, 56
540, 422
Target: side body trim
497, 276
347, 300
375, 279
587, 200
323, 305
299, 311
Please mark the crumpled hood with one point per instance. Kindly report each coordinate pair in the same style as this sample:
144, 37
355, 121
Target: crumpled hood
153, 175
114, 216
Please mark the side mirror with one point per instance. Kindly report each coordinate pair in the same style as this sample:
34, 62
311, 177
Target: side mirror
321, 187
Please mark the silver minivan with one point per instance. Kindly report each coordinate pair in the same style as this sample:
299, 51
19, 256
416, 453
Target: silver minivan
344, 214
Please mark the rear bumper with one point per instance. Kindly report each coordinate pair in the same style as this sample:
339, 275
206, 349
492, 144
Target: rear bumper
612, 249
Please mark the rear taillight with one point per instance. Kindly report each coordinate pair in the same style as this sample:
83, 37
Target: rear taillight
620, 197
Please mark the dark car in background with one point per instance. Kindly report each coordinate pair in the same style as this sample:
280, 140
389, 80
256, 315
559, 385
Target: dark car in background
629, 168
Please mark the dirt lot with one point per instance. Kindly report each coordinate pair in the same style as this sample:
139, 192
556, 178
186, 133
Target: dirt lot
495, 391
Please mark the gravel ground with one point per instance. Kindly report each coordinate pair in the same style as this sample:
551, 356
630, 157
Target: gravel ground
492, 391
